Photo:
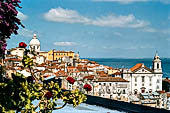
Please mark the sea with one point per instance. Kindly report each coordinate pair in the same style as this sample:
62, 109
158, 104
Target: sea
128, 63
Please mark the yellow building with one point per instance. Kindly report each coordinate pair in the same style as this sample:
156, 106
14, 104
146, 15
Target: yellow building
58, 55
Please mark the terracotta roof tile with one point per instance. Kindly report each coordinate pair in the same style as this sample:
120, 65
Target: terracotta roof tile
138, 66
168, 94
161, 91
90, 77
117, 73
12, 59
111, 79
166, 80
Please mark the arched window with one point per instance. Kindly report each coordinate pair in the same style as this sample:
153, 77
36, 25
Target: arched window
157, 65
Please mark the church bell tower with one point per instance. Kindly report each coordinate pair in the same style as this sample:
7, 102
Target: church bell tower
157, 68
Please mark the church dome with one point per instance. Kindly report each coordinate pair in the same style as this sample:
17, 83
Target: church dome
34, 41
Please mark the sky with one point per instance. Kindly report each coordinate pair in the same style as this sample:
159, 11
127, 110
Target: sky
97, 28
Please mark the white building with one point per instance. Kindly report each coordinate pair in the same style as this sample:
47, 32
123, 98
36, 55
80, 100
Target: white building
34, 44
19, 52
111, 87
40, 59
143, 79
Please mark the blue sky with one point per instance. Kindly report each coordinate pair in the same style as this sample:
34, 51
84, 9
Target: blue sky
98, 28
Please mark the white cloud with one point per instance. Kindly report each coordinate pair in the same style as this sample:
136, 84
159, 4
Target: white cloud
65, 43
71, 16
121, 1
25, 32
119, 21
117, 34
151, 30
22, 16
64, 15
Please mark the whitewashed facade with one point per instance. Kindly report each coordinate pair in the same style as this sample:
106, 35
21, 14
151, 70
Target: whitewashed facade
143, 79
17, 52
40, 59
112, 87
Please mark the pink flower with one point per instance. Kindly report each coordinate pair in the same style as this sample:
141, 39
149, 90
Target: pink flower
87, 87
70, 80
48, 95
22, 45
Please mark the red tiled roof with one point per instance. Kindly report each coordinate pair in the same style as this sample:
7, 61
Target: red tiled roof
166, 80
90, 77
138, 66
117, 73
12, 59
168, 94
161, 91
60, 73
111, 79
82, 69
70, 67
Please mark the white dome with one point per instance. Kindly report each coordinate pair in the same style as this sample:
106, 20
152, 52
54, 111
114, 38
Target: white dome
34, 41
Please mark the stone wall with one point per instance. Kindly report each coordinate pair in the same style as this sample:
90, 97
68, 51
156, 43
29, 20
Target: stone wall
122, 106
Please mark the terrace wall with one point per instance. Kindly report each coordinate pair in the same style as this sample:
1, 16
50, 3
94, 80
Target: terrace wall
122, 106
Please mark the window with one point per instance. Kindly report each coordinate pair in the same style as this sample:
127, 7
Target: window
157, 87
104, 84
157, 65
150, 91
135, 84
110, 84
142, 84
143, 90
124, 91
150, 79
158, 81
135, 79
143, 79
110, 96
99, 83
150, 84
143, 70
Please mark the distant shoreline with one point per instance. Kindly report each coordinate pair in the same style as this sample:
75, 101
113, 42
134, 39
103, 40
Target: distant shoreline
118, 58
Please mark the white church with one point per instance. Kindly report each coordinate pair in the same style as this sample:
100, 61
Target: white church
144, 80
34, 46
